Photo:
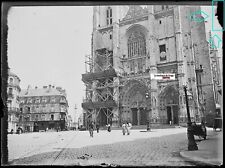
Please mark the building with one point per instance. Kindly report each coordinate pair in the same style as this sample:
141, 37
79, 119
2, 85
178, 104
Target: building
69, 122
216, 76
13, 91
43, 108
129, 43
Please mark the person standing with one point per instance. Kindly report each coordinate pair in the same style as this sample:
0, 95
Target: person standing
108, 128
97, 127
91, 128
124, 128
128, 128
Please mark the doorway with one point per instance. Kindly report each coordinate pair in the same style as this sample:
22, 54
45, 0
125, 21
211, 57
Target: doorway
143, 116
134, 116
175, 115
169, 114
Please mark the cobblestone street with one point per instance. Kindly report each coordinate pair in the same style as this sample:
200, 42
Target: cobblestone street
159, 147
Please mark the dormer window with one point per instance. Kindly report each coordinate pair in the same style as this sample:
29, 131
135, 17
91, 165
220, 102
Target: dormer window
109, 16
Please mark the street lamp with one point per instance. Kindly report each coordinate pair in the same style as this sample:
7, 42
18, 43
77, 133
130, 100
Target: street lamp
149, 122
191, 140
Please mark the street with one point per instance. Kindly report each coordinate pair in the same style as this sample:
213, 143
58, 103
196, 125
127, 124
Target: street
158, 147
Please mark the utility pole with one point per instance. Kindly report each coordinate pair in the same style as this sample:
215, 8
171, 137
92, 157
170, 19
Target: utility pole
75, 115
191, 140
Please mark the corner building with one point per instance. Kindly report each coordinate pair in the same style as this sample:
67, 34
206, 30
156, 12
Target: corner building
13, 91
129, 43
43, 108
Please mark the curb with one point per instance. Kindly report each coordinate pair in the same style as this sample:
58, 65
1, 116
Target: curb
198, 160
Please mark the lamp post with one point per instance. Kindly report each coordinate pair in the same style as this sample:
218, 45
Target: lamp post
191, 140
149, 122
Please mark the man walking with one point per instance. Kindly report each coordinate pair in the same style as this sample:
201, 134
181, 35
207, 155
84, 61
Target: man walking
91, 128
128, 128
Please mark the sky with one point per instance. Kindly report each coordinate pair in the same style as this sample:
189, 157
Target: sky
47, 45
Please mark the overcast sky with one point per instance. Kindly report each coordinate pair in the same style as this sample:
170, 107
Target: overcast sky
47, 45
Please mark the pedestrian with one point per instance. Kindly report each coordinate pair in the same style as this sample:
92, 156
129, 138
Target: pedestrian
97, 127
124, 128
91, 128
170, 122
47, 129
128, 128
108, 127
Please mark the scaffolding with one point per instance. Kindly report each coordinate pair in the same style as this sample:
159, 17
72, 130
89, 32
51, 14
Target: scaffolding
100, 87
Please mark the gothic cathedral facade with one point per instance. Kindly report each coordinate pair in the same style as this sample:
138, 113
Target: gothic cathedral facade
129, 43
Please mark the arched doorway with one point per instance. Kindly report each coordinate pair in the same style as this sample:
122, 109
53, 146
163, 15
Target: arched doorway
135, 106
169, 103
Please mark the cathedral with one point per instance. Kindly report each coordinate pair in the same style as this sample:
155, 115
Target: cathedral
129, 43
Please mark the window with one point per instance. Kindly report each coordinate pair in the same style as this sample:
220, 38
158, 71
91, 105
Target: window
10, 90
43, 117
20, 119
53, 100
109, 16
37, 100
110, 36
52, 117
162, 50
44, 100
29, 100
136, 44
10, 80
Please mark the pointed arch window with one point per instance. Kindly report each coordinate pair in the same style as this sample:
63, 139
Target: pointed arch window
136, 44
109, 16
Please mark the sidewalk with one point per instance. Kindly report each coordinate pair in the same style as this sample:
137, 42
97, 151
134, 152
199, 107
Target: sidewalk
210, 151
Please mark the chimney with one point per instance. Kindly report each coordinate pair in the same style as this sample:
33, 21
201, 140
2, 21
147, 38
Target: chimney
59, 88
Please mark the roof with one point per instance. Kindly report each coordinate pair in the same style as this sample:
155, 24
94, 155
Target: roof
41, 92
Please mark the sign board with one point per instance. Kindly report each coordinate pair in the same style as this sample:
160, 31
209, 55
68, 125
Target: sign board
168, 76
